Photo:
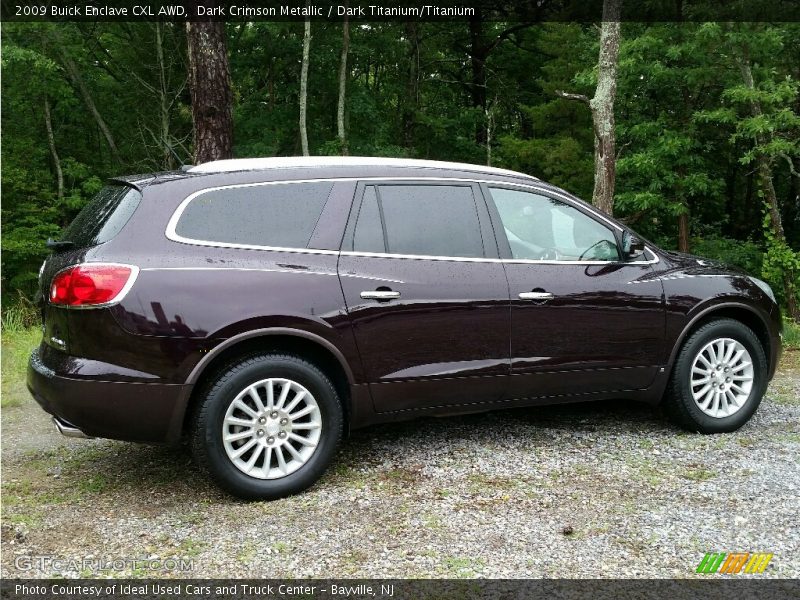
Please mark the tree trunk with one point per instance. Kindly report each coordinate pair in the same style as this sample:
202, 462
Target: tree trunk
489, 131
602, 106
304, 87
164, 105
410, 102
478, 56
51, 141
340, 124
765, 174
77, 80
210, 84
683, 231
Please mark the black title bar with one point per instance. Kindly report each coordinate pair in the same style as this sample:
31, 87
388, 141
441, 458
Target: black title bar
708, 588
399, 10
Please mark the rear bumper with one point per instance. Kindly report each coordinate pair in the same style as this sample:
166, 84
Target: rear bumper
136, 412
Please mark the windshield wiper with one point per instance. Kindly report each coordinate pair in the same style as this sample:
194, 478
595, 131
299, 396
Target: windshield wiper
59, 244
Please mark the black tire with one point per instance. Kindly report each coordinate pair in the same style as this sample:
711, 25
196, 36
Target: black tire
678, 402
207, 423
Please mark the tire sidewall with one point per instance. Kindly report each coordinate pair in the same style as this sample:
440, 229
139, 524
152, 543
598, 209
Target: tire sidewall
220, 398
743, 335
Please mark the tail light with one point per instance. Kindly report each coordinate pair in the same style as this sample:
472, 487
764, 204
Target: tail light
92, 284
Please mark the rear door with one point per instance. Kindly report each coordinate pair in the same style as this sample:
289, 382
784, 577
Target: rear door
427, 295
583, 320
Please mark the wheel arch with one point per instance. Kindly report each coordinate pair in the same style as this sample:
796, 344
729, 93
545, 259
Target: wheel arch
732, 310
295, 341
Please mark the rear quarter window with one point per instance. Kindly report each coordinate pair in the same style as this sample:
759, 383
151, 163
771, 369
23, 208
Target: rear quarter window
103, 217
279, 215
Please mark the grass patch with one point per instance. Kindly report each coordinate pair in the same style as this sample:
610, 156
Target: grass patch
190, 548
699, 474
791, 335
782, 392
461, 566
17, 344
92, 484
20, 316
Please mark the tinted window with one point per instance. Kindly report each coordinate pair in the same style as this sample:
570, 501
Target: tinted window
541, 228
282, 215
103, 217
369, 231
433, 220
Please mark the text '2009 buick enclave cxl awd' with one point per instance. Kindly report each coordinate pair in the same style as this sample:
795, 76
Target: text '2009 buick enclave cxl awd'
262, 307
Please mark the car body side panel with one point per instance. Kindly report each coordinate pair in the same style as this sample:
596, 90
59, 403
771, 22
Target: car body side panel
452, 321
696, 288
238, 292
603, 330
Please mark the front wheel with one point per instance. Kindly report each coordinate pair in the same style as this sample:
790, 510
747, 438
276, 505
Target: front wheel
719, 378
267, 426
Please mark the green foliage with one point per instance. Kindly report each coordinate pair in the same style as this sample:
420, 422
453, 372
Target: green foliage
689, 142
791, 335
781, 264
745, 254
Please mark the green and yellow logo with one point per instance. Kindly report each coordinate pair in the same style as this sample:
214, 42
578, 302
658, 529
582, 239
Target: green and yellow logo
735, 562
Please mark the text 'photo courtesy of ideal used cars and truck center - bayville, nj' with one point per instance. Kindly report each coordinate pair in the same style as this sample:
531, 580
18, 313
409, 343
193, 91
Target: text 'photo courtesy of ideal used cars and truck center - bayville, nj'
469, 300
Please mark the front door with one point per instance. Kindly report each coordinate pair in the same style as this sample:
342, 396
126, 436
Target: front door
429, 308
583, 320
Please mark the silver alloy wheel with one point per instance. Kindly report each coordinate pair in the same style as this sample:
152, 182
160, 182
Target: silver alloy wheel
722, 377
271, 428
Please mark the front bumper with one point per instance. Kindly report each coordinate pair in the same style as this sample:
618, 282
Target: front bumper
136, 412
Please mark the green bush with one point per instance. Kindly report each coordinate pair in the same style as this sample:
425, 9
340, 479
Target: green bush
791, 335
746, 255
20, 316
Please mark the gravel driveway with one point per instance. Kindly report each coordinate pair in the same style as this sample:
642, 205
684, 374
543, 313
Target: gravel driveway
594, 490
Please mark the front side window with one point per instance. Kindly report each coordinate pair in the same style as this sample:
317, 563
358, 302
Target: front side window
426, 220
280, 215
542, 228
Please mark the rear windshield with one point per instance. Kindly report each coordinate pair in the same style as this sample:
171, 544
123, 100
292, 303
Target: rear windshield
104, 216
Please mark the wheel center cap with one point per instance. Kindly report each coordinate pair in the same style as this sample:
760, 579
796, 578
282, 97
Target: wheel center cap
273, 427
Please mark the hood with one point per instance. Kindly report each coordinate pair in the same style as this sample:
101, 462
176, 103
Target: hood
692, 264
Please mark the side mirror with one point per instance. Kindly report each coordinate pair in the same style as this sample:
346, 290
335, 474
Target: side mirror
632, 247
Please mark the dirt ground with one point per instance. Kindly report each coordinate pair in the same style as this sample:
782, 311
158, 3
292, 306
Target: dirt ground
607, 489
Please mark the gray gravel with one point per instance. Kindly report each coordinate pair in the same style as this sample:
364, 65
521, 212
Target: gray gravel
596, 490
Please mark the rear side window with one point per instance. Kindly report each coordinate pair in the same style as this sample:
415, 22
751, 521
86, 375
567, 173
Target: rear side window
281, 215
429, 220
103, 217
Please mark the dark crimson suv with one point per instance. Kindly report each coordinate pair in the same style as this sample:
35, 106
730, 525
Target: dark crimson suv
262, 307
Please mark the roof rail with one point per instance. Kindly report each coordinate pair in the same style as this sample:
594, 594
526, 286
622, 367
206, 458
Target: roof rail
287, 162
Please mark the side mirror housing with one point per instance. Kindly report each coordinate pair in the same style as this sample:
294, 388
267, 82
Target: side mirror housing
632, 246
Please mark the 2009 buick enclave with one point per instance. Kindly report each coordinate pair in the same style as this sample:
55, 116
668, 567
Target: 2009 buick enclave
264, 306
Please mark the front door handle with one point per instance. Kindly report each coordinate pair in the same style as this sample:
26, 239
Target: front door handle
536, 296
379, 295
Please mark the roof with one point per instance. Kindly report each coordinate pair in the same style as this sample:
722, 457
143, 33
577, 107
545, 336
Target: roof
288, 162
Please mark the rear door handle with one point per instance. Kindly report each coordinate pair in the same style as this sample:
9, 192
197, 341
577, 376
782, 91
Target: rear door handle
536, 296
379, 295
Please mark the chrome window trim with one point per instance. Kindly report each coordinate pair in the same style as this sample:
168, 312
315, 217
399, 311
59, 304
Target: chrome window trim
172, 235
502, 260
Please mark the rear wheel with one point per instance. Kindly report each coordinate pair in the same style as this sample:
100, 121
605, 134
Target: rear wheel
719, 378
267, 426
